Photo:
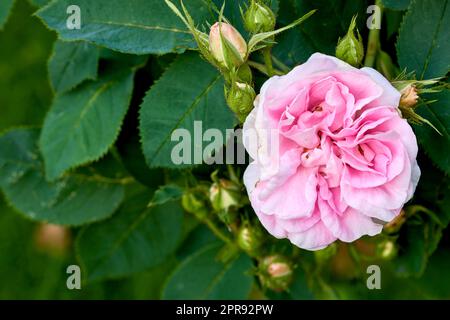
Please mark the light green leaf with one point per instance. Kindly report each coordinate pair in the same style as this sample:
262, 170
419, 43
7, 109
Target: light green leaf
71, 64
423, 44
83, 124
73, 200
5, 8
135, 239
137, 26
203, 276
190, 90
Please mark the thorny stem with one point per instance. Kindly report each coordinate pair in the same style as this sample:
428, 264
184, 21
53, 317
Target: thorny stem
221, 235
99, 178
262, 68
373, 42
284, 68
267, 54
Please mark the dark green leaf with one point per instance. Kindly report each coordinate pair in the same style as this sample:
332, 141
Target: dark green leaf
166, 193
190, 90
423, 44
196, 239
83, 124
137, 26
320, 33
135, 239
73, 200
39, 3
396, 4
203, 276
435, 145
417, 243
71, 64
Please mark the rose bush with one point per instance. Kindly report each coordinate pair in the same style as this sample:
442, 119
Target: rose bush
341, 161
119, 126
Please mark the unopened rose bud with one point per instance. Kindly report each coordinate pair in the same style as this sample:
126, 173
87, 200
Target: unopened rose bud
350, 48
250, 238
387, 249
225, 195
227, 46
195, 203
409, 97
240, 99
275, 272
53, 239
259, 18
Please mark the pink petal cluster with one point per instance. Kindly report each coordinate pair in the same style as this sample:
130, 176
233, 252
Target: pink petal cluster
332, 157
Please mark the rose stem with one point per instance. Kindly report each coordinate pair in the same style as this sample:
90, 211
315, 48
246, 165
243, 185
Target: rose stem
373, 42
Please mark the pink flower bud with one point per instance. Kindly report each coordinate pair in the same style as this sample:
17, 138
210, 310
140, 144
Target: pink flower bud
230, 49
409, 97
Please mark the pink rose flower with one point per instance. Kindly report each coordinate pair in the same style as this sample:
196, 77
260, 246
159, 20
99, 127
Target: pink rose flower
332, 158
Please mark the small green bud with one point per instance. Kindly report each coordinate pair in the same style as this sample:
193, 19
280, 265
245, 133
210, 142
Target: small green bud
250, 238
195, 203
275, 272
244, 74
386, 249
259, 18
350, 48
227, 46
225, 195
240, 99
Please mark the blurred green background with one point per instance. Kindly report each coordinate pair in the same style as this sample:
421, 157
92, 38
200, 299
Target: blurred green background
33, 264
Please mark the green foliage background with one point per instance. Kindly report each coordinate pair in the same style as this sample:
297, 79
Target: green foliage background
140, 252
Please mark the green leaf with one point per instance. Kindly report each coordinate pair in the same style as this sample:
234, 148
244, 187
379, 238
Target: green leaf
5, 8
434, 144
134, 239
190, 90
166, 193
73, 200
39, 3
195, 240
396, 4
138, 27
433, 190
202, 276
71, 64
25, 46
320, 33
83, 124
424, 41
417, 241
413, 257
